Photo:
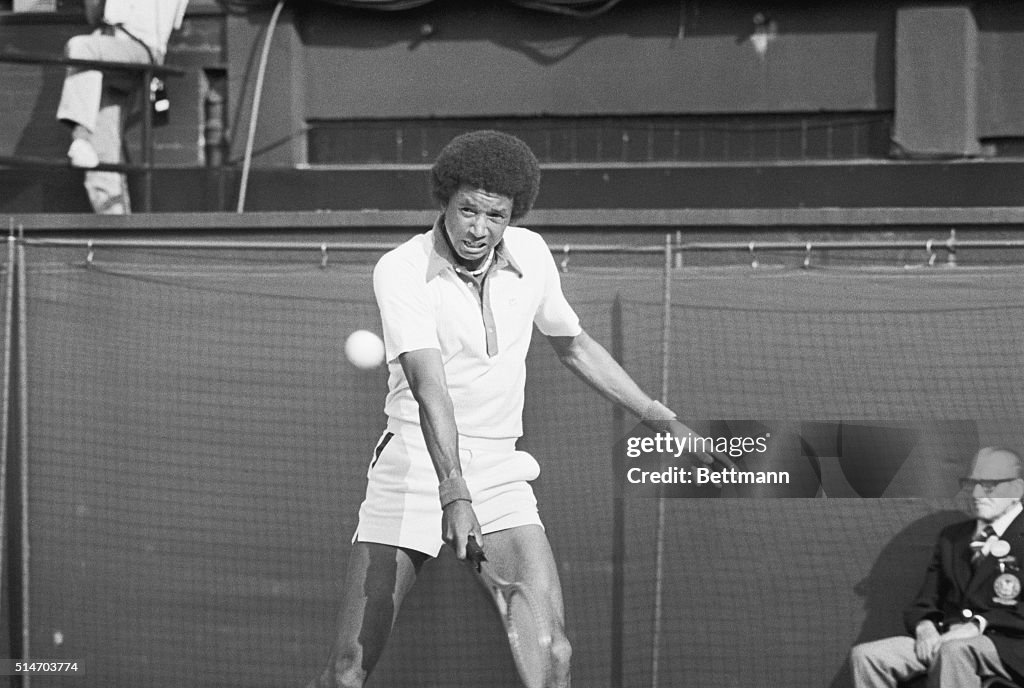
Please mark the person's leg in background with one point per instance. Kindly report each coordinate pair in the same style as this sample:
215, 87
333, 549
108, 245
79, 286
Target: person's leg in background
884, 663
966, 662
93, 105
108, 191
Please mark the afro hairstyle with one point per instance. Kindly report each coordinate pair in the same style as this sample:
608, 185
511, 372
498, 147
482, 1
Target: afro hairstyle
491, 160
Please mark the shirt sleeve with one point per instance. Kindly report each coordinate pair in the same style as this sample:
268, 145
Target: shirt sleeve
406, 310
554, 317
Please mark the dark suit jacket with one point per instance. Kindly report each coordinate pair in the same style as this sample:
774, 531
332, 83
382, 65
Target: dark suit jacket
952, 585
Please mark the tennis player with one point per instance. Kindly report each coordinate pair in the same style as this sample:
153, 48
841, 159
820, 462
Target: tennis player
458, 306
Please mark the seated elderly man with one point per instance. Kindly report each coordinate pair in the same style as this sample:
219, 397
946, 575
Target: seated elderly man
966, 624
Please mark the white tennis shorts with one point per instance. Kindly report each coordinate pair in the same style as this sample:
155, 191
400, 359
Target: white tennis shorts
401, 507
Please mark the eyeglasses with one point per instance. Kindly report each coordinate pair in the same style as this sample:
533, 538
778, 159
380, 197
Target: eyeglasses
987, 485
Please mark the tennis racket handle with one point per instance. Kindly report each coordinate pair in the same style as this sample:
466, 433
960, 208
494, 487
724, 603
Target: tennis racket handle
474, 552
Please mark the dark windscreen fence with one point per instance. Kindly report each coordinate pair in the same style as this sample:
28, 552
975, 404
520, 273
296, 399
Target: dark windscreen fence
198, 444
197, 441
874, 388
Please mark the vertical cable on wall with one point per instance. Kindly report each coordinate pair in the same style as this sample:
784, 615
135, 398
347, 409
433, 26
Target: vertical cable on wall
255, 111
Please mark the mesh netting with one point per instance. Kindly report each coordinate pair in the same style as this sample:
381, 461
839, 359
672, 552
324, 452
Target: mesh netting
198, 447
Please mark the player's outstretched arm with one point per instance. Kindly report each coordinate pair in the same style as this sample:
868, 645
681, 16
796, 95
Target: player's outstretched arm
592, 363
425, 372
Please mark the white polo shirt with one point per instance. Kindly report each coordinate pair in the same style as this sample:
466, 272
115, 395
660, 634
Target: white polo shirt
151, 21
483, 338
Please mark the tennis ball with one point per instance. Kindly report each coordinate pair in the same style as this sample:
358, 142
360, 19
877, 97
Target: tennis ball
364, 349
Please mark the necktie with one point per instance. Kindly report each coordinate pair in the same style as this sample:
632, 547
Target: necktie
978, 543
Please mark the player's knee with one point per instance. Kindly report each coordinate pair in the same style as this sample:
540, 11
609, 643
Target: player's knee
79, 48
561, 653
345, 671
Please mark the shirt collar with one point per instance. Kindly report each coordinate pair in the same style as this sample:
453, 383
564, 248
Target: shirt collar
1003, 522
442, 257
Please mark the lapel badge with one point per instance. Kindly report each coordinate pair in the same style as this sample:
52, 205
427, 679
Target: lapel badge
1007, 589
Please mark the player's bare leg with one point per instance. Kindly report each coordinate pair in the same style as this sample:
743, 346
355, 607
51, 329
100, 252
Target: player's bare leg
524, 555
378, 578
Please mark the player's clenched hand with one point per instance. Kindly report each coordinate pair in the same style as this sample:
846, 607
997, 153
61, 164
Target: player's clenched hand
458, 522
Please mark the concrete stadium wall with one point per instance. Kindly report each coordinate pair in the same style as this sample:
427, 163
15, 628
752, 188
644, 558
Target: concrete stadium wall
32, 92
461, 59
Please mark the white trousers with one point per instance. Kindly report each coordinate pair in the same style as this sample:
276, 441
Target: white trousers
98, 102
961, 663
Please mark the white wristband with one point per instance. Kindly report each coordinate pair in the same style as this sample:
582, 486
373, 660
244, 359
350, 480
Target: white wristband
452, 490
657, 411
